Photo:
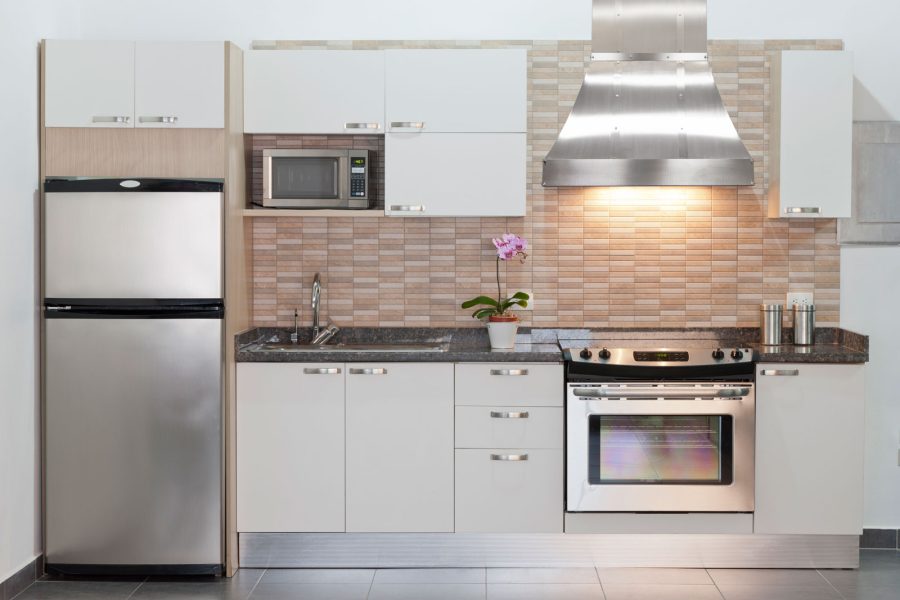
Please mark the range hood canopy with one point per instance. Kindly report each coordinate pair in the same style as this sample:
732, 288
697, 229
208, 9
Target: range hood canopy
648, 112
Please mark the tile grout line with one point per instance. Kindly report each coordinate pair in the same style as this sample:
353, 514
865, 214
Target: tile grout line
831, 585
371, 583
260, 578
716, 585
134, 591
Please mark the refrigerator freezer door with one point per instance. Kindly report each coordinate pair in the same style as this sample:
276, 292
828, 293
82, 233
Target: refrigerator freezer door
133, 441
133, 245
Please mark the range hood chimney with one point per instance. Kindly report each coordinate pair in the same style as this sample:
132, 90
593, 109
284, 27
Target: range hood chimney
648, 112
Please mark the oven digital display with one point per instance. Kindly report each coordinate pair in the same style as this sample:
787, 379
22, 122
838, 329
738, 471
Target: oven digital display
658, 356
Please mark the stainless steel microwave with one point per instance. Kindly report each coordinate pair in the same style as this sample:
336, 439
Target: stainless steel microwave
316, 178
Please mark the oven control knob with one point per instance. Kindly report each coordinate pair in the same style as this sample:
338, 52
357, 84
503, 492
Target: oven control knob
586, 353
605, 354
737, 354
718, 354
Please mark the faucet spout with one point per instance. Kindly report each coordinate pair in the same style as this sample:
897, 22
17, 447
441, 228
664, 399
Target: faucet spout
316, 302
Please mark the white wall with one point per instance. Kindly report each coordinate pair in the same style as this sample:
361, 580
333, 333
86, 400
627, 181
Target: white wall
865, 25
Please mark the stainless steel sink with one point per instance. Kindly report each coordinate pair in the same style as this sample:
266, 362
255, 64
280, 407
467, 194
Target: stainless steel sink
397, 347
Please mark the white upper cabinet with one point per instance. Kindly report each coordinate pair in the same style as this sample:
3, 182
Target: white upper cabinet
810, 428
179, 84
812, 134
455, 174
89, 84
313, 91
128, 84
459, 91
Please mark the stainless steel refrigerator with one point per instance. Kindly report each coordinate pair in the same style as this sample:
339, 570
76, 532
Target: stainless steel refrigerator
132, 368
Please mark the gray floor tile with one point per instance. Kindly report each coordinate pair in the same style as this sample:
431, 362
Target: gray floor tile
429, 576
658, 576
802, 577
79, 590
557, 575
878, 571
310, 591
876, 593
652, 591
427, 591
191, 590
777, 592
318, 576
544, 591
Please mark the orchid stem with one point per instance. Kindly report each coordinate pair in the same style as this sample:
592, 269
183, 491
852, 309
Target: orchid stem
499, 293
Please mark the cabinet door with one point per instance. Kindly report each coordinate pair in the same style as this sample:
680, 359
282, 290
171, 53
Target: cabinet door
812, 134
314, 91
290, 447
462, 91
89, 84
455, 174
509, 491
179, 84
809, 449
400, 447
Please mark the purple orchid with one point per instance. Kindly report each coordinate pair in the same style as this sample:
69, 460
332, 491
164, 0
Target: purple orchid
509, 246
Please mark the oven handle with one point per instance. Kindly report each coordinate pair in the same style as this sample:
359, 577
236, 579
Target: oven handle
729, 393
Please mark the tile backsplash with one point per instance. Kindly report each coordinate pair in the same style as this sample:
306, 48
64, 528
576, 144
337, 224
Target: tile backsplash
599, 257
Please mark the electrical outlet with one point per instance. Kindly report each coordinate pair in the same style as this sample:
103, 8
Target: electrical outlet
530, 301
801, 298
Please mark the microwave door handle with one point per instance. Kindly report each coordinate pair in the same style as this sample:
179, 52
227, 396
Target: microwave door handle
343, 177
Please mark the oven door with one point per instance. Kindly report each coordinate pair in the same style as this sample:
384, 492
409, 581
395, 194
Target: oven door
305, 178
660, 447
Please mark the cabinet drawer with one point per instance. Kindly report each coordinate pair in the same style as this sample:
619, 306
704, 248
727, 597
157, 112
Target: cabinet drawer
512, 384
494, 495
509, 427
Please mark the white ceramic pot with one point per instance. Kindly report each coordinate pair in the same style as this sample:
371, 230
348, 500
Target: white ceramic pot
503, 333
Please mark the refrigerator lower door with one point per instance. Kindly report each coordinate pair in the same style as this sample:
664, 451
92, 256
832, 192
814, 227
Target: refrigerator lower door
133, 436
133, 245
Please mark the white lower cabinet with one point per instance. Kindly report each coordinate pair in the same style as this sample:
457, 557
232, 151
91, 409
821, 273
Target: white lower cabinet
400, 447
509, 490
810, 427
290, 447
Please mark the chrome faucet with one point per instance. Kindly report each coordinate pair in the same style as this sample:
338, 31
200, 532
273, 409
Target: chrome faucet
295, 337
316, 302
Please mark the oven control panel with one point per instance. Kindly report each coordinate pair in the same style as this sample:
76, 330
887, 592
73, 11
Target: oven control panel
660, 357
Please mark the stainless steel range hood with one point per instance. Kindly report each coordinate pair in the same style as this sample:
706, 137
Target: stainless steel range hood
648, 112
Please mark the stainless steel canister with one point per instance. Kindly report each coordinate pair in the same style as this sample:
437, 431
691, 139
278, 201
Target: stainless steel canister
804, 324
770, 324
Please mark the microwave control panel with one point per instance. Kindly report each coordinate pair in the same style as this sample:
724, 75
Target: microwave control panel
359, 180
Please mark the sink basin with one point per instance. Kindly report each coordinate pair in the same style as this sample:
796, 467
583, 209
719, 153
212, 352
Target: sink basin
397, 347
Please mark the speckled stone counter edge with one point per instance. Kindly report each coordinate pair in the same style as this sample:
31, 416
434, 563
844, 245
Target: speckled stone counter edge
470, 344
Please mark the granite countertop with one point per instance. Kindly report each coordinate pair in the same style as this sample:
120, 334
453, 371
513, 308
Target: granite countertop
470, 344
460, 345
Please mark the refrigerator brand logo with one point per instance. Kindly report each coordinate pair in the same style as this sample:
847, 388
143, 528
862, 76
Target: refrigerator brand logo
130, 183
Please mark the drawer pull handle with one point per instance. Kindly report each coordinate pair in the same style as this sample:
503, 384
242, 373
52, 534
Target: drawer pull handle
362, 125
780, 372
802, 210
496, 414
408, 124
509, 457
368, 371
407, 208
509, 372
113, 119
167, 120
329, 371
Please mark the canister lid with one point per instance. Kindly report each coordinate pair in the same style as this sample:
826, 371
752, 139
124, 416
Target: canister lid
770, 307
804, 308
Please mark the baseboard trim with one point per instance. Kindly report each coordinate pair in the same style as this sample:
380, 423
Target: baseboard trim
16, 583
880, 539
421, 550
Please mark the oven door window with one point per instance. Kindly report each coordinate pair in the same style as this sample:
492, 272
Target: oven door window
660, 449
306, 178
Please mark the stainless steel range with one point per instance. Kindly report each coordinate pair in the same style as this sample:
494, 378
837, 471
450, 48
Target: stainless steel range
659, 430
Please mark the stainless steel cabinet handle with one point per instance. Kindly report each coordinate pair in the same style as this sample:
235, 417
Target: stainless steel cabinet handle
407, 208
171, 120
58, 308
362, 125
780, 372
509, 457
496, 414
408, 124
326, 371
512, 372
112, 119
653, 393
368, 371
800, 210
